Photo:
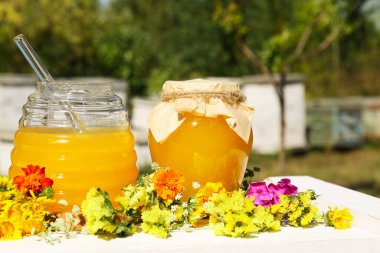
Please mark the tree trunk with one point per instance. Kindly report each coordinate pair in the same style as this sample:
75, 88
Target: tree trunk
281, 98
279, 87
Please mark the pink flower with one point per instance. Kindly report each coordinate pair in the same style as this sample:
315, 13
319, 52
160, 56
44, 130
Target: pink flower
265, 199
260, 191
274, 189
285, 187
257, 188
269, 195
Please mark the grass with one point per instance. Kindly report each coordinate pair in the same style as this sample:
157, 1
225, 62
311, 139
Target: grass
357, 169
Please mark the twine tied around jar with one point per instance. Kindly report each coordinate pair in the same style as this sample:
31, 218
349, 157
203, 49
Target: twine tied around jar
229, 97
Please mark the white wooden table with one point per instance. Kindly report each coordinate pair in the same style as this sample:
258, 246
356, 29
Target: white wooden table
364, 236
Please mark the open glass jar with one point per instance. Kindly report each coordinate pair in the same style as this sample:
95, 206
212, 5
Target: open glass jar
80, 133
203, 129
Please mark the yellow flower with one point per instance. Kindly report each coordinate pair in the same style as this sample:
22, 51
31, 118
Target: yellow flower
179, 212
7, 190
98, 211
293, 216
265, 221
8, 231
340, 219
305, 197
22, 216
133, 197
284, 200
196, 217
297, 210
203, 196
230, 214
156, 221
204, 193
6, 184
293, 205
32, 214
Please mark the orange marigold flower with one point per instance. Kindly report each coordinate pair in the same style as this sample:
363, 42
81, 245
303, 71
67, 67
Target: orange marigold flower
34, 179
204, 193
168, 183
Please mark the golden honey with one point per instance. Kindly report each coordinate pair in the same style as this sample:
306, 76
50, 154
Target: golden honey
77, 161
204, 149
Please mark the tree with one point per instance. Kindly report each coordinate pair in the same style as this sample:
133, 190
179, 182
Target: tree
295, 30
153, 41
147, 42
62, 33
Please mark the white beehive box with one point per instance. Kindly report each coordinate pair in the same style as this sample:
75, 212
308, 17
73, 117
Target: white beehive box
5, 159
141, 107
266, 118
371, 117
14, 91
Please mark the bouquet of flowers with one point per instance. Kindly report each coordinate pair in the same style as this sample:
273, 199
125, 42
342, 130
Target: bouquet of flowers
155, 205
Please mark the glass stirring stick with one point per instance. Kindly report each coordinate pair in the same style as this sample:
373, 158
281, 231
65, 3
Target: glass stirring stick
32, 58
44, 76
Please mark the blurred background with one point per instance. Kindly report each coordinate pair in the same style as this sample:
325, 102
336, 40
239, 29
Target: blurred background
314, 64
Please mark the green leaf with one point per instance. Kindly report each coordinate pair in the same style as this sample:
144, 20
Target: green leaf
48, 192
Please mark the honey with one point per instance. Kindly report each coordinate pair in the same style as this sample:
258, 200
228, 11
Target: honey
77, 161
204, 149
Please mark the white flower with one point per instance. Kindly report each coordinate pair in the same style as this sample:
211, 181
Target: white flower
196, 185
58, 225
76, 210
184, 204
185, 213
187, 227
63, 202
155, 166
173, 208
76, 222
178, 196
68, 217
172, 217
84, 230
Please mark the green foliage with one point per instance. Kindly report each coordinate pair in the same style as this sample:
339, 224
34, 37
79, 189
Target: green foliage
289, 27
249, 174
61, 31
148, 42
48, 192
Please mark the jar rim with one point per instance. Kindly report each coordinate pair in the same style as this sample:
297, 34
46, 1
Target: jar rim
89, 86
75, 83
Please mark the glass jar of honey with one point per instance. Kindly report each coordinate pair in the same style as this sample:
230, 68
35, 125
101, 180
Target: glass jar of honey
203, 129
80, 133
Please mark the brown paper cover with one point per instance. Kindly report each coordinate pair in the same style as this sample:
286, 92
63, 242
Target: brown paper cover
208, 98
